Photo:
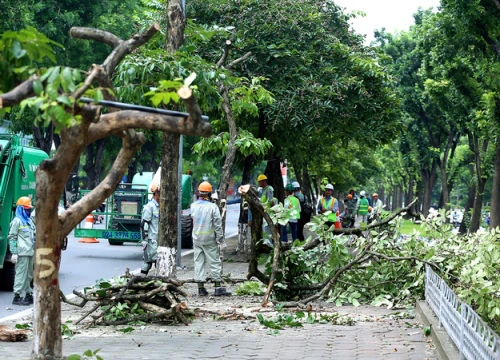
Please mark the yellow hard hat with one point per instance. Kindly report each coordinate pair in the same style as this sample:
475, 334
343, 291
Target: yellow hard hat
261, 177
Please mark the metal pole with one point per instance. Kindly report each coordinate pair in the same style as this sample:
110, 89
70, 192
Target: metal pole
126, 106
179, 207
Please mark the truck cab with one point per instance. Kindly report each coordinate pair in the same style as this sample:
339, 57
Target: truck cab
18, 164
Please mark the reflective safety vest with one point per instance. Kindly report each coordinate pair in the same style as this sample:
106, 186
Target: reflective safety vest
363, 206
294, 205
329, 205
264, 198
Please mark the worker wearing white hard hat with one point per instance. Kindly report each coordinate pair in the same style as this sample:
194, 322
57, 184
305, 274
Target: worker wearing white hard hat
149, 225
362, 208
329, 203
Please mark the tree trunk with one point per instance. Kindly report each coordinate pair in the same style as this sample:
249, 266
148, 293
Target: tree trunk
248, 165
410, 195
429, 179
230, 155
495, 194
47, 339
169, 191
471, 196
477, 149
475, 221
169, 197
443, 165
43, 137
93, 163
275, 179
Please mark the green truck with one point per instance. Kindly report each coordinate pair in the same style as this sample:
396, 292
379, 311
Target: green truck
122, 212
18, 164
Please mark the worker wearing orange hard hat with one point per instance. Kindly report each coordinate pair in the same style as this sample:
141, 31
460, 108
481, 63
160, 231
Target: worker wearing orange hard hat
22, 247
208, 241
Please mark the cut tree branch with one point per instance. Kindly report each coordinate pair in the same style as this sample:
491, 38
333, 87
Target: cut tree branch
95, 34
121, 48
18, 94
94, 73
115, 123
86, 205
237, 61
357, 231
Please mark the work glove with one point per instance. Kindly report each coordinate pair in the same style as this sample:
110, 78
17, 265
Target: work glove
13, 258
144, 235
144, 245
222, 245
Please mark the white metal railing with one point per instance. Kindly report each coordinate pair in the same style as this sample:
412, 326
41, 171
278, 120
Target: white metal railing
474, 339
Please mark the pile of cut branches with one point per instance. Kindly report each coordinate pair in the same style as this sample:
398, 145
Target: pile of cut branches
134, 299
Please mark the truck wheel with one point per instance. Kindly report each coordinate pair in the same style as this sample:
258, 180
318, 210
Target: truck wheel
115, 242
7, 274
187, 232
114, 227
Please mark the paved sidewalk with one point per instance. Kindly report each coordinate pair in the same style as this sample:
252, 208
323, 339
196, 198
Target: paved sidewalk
376, 334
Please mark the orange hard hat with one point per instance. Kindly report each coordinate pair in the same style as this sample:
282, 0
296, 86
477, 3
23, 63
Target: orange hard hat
370, 208
349, 196
205, 187
25, 202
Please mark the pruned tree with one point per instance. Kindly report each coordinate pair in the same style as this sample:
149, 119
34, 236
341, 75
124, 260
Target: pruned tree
169, 186
57, 96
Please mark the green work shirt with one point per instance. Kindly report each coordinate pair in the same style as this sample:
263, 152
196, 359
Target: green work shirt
363, 206
292, 203
22, 238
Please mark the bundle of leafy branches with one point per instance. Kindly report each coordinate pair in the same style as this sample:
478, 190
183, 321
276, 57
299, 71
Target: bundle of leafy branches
383, 267
135, 299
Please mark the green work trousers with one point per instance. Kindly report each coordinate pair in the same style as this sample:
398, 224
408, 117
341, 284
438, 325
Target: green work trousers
203, 254
24, 275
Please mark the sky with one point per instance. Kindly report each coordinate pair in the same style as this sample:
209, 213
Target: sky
391, 14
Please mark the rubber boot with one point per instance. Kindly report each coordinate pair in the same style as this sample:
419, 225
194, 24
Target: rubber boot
221, 291
28, 300
17, 300
202, 292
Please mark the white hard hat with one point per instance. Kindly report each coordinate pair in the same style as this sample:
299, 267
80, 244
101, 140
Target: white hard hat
329, 187
155, 183
362, 193
296, 185
215, 196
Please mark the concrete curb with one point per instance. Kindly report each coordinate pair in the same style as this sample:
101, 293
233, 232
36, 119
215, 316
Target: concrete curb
444, 345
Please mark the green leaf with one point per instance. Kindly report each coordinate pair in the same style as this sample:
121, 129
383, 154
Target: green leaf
37, 87
127, 330
74, 357
88, 353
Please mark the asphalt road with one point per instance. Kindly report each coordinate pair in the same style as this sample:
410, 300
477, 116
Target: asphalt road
82, 264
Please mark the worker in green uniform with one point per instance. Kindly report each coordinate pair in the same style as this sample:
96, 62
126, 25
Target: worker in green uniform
22, 247
363, 208
291, 204
208, 241
149, 228
329, 203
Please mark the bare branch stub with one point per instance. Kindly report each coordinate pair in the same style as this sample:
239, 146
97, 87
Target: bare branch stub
86, 205
121, 48
239, 60
95, 34
18, 94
